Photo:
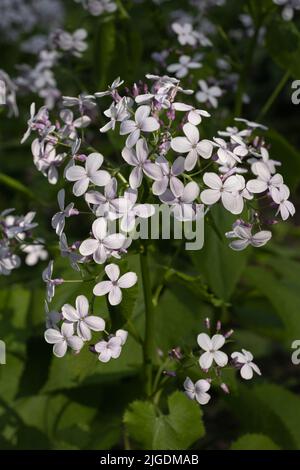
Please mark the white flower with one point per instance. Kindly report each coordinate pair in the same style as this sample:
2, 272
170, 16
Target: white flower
251, 124
46, 160
68, 252
197, 391
104, 203
194, 115
280, 196
80, 317
111, 89
142, 122
168, 175
62, 339
192, 145
87, 175
265, 181
208, 94
270, 164
112, 348
245, 358
117, 112
101, 246
234, 131
69, 130
115, 284
35, 253
245, 237
139, 160
228, 191
73, 42
8, 261
52, 317
182, 68
129, 210
47, 277
224, 153
58, 220
185, 34
181, 199
212, 347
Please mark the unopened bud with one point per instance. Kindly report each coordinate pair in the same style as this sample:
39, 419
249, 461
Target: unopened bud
207, 323
228, 334
225, 388
169, 373
219, 325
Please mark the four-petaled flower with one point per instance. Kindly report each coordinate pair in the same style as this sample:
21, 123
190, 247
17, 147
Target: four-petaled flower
115, 284
80, 317
141, 163
228, 190
245, 237
208, 94
192, 145
245, 359
103, 243
112, 348
87, 175
142, 122
197, 391
62, 339
212, 347
182, 68
58, 220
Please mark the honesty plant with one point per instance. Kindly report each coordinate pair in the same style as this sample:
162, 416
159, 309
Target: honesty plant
167, 159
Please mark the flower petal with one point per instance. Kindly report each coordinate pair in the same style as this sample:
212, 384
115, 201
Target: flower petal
127, 280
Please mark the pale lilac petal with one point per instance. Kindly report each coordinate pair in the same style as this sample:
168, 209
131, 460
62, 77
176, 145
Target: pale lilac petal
257, 186
60, 349
191, 133
206, 360
212, 180
122, 334
210, 196
129, 156
239, 245
127, 280
115, 241
133, 138
81, 186
261, 238
141, 150
113, 272
69, 313
93, 162
217, 341
150, 125
53, 336
61, 199
181, 144
127, 127
75, 343
100, 178
102, 288
152, 170
246, 372
88, 247
204, 341
191, 160
75, 173
142, 114
191, 192
115, 296
100, 255
83, 331
136, 177
99, 228
178, 166
205, 148
220, 358
82, 305
95, 323
105, 355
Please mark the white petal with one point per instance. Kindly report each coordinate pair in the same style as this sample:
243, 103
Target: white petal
115, 296
75, 173
100, 178
82, 305
93, 162
60, 349
246, 372
99, 228
220, 358
181, 144
113, 272
88, 247
204, 341
210, 196
127, 280
217, 341
136, 177
75, 343
212, 180
95, 323
53, 336
191, 133
69, 313
256, 186
81, 186
133, 138
206, 360
150, 125
102, 288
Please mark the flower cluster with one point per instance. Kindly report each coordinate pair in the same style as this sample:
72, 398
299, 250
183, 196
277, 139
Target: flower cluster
98, 7
212, 360
16, 238
165, 159
289, 7
73, 327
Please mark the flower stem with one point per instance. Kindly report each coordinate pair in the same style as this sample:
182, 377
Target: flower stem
149, 345
274, 95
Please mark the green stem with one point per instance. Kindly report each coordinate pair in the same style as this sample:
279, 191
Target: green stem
270, 101
149, 345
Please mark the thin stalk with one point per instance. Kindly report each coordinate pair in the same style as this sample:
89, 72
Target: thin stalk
149, 345
270, 101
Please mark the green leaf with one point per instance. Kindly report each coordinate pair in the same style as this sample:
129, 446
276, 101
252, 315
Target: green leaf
220, 266
15, 185
254, 442
284, 298
283, 151
179, 429
272, 410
